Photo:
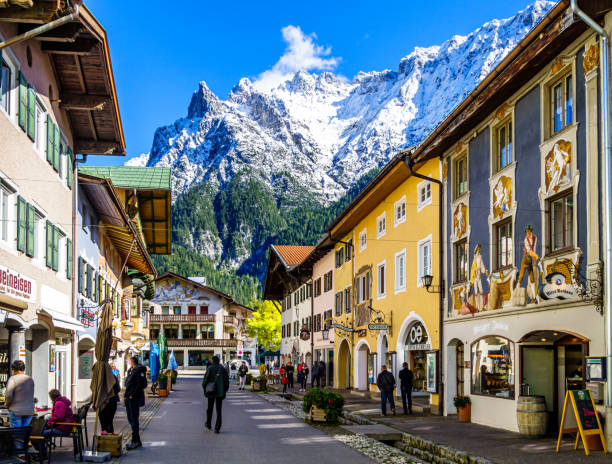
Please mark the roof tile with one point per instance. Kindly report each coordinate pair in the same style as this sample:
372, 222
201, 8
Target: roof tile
293, 254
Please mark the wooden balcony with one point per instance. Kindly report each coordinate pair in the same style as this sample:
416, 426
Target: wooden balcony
173, 318
201, 343
233, 320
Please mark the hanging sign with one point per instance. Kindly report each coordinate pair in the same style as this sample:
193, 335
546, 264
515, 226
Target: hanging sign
586, 419
341, 327
305, 334
378, 326
417, 339
557, 287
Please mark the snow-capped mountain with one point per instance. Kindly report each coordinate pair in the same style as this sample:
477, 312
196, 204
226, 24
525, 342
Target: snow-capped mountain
323, 131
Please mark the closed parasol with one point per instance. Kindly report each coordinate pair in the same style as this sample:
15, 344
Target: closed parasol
102, 379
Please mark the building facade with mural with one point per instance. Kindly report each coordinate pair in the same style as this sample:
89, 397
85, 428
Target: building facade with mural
385, 243
198, 321
521, 164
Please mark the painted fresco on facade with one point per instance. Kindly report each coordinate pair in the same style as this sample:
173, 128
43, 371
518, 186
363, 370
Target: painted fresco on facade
558, 166
175, 290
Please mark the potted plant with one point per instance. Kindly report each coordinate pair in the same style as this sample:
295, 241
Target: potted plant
259, 383
323, 405
464, 407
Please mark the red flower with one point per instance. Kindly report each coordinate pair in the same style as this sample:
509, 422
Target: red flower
330, 401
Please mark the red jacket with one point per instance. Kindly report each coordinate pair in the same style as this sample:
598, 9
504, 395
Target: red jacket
62, 412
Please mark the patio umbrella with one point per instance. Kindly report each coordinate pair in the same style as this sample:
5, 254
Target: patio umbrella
172, 362
102, 378
154, 362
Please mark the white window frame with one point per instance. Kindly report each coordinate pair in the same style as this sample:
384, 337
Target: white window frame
40, 132
379, 219
61, 254
427, 241
9, 58
399, 286
11, 190
363, 240
400, 202
420, 187
40, 240
383, 294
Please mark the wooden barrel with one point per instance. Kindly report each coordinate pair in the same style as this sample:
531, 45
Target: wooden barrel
532, 416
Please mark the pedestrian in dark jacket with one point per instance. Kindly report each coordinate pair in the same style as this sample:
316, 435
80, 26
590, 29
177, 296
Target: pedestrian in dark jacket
321, 380
107, 413
386, 385
215, 385
290, 369
314, 378
406, 377
305, 372
134, 398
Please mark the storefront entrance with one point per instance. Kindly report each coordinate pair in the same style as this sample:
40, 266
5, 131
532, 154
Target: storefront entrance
344, 365
552, 362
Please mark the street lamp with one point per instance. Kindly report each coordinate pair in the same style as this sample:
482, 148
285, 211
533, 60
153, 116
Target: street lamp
427, 283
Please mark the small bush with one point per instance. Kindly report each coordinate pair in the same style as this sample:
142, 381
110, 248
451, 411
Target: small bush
461, 401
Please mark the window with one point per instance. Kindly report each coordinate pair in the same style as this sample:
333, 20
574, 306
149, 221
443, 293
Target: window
207, 331
503, 150
339, 257
309, 290
190, 331
363, 240
561, 103
381, 280
40, 128
296, 328
424, 189
171, 331
338, 303
4, 213
165, 310
154, 330
69, 261
363, 288
30, 230
424, 259
204, 309
348, 249
327, 281
191, 309
52, 235
400, 271
176, 310
503, 244
461, 176
561, 222
282, 332
461, 261
5, 86
400, 211
347, 300
288, 330
381, 225
493, 367
317, 287
327, 319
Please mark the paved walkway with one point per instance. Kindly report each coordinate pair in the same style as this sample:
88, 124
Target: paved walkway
254, 431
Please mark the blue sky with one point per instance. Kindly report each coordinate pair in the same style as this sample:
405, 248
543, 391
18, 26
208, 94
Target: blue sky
160, 51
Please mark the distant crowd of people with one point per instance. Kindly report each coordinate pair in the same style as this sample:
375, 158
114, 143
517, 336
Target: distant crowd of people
287, 372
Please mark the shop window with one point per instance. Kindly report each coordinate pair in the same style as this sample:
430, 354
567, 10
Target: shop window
176, 310
561, 103
503, 244
363, 240
461, 176
381, 225
561, 222
503, 145
154, 330
400, 210
171, 331
381, 274
493, 367
190, 331
461, 261
165, 310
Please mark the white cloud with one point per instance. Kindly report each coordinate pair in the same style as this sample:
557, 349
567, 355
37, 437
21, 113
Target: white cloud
301, 54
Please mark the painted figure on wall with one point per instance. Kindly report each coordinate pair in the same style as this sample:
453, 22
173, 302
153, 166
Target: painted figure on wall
529, 264
502, 197
558, 166
460, 220
478, 269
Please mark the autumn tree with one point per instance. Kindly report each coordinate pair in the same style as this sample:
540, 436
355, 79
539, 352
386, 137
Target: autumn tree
265, 326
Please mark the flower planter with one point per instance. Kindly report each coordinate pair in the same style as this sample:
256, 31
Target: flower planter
258, 386
594, 442
465, 413
317, 414
162, 392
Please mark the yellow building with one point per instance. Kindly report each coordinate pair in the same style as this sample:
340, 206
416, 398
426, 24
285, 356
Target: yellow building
386, 241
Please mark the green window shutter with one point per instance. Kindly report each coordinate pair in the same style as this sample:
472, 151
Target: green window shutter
21, 224
56, 148
80, 276
68, 258
55, 248
23, 102
89, 280
50, 135
31, 113
49, 245
69, 164
30, 236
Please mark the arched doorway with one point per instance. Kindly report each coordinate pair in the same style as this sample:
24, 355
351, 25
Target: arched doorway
551, 362
455, 371
344, 363
362, 353
384, 356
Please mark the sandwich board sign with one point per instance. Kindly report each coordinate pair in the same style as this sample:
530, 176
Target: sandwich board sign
584, 421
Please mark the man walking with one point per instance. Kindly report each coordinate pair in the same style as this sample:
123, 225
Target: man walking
215, 385
406, 377
242, 373
134, 398
290, 369
386, 385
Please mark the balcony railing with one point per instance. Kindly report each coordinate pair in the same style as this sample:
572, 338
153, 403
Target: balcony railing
170, 318
197, 342
230, 320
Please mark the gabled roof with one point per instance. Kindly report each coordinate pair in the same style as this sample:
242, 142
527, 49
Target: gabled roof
220, 294
137, 177
292, 255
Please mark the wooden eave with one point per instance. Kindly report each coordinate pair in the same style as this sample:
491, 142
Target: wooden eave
282, 279
80, 57
535, 51
154, 207
117, 225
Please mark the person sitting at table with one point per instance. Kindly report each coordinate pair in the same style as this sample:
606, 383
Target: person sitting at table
60, 414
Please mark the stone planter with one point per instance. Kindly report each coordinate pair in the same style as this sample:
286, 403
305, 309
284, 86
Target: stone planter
465, 413
317, 414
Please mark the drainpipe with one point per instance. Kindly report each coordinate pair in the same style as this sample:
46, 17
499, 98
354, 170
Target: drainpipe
607, 165
44, 28
409, 162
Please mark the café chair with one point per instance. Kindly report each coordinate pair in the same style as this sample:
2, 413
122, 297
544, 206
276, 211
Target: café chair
39, 441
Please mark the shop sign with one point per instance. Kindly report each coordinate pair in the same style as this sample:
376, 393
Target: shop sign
557, 287
16, 285
378, 326
85, 364
305, 334
362, 333
341, 327
418, 338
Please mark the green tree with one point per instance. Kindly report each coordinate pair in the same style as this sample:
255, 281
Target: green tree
265, 326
